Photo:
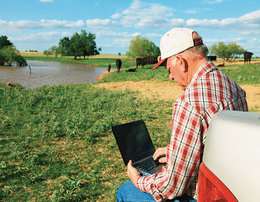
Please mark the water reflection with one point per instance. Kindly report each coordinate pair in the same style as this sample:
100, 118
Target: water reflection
50, 73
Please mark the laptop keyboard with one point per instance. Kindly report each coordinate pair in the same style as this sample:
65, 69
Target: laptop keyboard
147, 165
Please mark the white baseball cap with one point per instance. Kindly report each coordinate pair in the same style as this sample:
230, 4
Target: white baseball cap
175, 41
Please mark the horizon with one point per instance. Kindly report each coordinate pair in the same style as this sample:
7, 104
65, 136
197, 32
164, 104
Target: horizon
40, 24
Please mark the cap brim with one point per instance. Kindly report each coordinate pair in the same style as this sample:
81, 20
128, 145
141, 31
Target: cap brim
158, 64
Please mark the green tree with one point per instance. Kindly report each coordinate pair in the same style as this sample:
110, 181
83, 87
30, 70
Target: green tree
89, 46
47, 52
20, 61
55, 50
9, 54
80, 44
141, 47
64, 46
76, 46
4, 42
227, 52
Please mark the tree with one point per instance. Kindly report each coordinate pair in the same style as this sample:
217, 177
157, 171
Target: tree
88, 44
141, 47
9, 54
76, 46
228, 52
55, 50
4, 42
80, 44
64, 46
47, 52
20, 61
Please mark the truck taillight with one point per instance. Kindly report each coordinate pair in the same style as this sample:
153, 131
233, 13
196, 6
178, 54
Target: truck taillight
210, 188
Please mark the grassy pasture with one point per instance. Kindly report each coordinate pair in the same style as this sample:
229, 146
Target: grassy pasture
56, 142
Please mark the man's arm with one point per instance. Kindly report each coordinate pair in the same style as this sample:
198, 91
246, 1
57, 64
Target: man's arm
183, 156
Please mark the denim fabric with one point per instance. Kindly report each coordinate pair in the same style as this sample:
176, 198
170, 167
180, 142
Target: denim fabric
127, 192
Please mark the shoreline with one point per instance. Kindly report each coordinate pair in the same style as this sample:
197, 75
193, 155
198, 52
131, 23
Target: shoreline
99, 78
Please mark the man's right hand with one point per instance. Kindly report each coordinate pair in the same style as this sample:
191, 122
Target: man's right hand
162, 151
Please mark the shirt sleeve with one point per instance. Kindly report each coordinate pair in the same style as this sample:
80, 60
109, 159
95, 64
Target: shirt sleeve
183, 156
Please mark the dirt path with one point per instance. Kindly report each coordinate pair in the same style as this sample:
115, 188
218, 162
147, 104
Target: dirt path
171, 91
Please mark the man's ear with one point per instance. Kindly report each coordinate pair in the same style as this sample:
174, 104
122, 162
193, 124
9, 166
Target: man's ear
181, 63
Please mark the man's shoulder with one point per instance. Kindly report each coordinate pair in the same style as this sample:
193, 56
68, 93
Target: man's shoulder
210, 88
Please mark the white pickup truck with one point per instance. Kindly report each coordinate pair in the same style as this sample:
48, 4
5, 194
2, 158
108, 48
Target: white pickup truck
230, 170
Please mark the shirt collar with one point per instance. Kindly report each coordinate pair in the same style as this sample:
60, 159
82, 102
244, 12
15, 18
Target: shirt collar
203, 69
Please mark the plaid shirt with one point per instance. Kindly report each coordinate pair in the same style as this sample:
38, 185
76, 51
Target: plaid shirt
210, 91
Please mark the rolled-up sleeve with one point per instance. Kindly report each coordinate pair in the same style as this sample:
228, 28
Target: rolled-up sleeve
183, 156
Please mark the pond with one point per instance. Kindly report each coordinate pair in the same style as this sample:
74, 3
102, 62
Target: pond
39, 73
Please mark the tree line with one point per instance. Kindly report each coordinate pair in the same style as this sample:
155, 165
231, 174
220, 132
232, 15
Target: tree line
228, 51
83, 44
142, 47
9, 54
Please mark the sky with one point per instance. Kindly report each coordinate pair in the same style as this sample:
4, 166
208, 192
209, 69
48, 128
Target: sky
40, 24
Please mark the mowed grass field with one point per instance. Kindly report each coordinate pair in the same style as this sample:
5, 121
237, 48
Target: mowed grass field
56, 142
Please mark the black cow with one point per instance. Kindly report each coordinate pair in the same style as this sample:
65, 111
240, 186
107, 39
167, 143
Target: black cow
140, 61
108, 68
146, 61
247, 56
212, 58
118, 65
131, 70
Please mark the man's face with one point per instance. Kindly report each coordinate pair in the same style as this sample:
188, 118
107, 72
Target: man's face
176, 71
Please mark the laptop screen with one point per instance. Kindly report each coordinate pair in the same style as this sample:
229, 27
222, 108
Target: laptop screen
134, 141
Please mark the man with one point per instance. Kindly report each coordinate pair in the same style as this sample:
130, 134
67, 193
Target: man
206, 92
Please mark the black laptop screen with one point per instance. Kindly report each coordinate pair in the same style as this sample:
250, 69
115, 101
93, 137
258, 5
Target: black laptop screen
133, 141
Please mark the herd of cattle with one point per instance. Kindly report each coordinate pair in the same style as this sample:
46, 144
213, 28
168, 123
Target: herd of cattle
153, 60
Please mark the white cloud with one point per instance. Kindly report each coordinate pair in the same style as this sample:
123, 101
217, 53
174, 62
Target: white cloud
116, 16
12, 26
213, 1
145, 15
249, 21
46, 1
101, 23
41, 36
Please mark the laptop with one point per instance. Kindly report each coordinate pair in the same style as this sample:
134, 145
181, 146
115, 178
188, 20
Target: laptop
135, 144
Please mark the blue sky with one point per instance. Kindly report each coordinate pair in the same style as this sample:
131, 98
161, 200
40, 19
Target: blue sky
40, 24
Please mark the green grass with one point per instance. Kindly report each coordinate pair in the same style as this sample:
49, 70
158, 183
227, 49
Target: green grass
142, 73
242, 74
56, 142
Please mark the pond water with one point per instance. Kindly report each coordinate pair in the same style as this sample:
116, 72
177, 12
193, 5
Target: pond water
50, 73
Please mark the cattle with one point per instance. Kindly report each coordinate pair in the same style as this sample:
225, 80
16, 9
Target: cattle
146, 61
247, 56
212, 58
108, 68
118, 65
131, 70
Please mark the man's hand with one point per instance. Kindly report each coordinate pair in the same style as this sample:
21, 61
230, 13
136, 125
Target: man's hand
132, 173
160, 152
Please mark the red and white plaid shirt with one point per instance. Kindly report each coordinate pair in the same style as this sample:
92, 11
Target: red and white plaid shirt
210, 91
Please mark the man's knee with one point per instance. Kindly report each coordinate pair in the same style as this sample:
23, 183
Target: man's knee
123, 190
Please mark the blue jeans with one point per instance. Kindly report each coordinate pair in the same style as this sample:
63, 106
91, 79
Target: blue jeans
129, 193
